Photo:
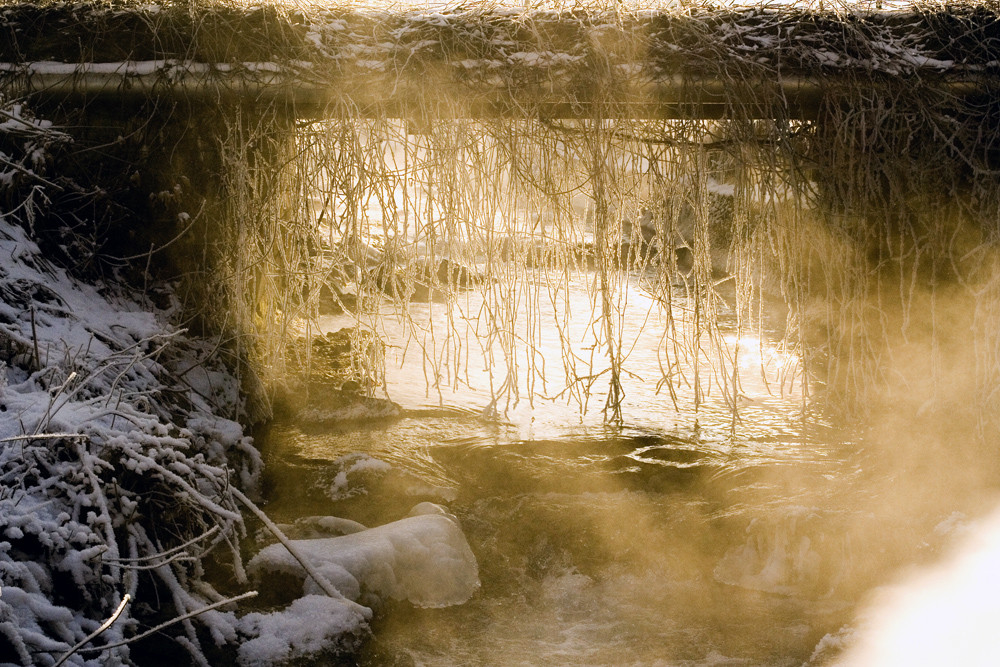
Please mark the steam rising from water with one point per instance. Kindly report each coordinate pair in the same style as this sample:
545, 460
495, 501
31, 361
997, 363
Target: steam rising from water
703, 548
744, 518
669, 545
931, 429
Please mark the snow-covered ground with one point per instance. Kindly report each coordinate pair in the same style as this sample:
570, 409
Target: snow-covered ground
115, 456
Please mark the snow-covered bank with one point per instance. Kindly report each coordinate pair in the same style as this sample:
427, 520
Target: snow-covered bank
116, 467
116, 456
118, 449
121, 464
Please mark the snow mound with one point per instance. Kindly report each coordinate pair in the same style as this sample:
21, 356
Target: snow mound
309, 625
423, 558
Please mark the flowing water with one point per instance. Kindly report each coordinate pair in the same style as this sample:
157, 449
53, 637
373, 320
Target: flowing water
673, 540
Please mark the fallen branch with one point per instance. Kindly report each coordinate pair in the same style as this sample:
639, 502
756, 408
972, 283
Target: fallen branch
166, 624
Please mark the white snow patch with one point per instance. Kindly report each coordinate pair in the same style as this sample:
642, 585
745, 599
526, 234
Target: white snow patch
722, 189
541, 58
351, 465
376, 65
309, 625
84, 401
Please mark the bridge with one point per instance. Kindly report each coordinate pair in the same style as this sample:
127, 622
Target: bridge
483, 62
876, 133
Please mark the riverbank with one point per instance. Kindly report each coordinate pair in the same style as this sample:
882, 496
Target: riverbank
121, 447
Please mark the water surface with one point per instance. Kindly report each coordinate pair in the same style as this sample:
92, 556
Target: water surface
679, 538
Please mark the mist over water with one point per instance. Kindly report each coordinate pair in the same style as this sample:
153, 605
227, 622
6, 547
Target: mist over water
437, 358
693, 314
592, 550
807, 397
678, 539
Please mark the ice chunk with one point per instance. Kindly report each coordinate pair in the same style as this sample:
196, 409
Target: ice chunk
424, 559
790, 553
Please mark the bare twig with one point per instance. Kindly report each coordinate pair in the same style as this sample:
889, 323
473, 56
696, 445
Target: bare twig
320, 580
167, 624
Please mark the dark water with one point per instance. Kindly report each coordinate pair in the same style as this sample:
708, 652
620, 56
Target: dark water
615, 547
678, 540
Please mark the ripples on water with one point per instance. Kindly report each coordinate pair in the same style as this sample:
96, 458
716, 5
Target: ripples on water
626, 548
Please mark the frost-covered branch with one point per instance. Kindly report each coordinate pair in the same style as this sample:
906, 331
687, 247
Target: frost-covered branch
316, 575
166, 624
96, 633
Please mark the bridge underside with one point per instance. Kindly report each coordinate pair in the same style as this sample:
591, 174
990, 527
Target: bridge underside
135, 83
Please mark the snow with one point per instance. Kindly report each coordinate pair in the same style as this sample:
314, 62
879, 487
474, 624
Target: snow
309, 625
947, 614
542, 59
321, 526
93, 447
376, 65
770, 37
423, 558
351, 465
721, 189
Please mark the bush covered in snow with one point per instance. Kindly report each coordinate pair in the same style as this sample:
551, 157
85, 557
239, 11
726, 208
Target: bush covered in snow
117, 449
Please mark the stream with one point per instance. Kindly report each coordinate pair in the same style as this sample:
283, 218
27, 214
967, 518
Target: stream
672, 540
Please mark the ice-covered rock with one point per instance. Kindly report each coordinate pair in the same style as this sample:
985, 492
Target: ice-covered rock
423, 558
351, 466
341, 406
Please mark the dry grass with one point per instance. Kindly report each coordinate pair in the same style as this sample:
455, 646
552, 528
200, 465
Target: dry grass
502, 117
